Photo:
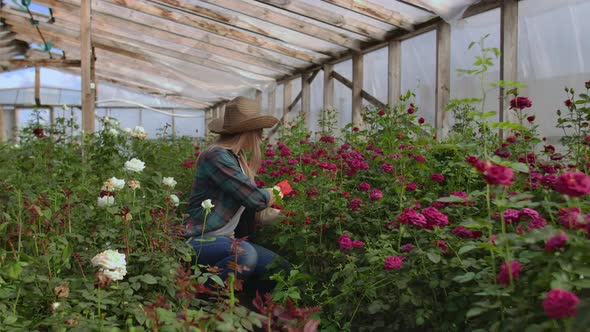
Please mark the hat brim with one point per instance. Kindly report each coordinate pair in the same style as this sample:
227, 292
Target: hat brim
258, 122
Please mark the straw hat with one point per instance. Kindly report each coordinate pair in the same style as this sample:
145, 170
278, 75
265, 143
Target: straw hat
241, 115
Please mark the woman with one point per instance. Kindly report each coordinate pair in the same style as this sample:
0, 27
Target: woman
226, 176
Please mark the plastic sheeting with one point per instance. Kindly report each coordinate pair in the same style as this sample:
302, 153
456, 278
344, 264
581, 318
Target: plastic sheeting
551, 56
449, 10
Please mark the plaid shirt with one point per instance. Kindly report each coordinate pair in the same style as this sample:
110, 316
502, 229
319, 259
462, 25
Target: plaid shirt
220, 178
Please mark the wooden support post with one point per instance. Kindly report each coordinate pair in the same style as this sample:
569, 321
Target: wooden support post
306, 98
272, 101
443, 75
37, 86
394, 72
328, 87
1, 124
286, 100
15, 125
509, 50
173, 124
140, 117
357, 88
86, 67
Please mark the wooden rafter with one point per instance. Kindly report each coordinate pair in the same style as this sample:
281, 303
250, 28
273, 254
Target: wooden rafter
250, 8
140, 65
341, 21
52, 63
375, 11
119, 35
119, 44
170, 30
140, 71
217, 28
401, 35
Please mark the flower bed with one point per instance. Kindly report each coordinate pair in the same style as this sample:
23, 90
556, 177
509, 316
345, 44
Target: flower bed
388, 227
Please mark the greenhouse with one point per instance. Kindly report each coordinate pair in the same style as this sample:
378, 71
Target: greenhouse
294, 165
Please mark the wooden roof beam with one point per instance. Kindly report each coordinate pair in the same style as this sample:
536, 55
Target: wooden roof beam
136, 63
140, 66
400, 35
319, 14
271, 15
375, 11
216, 28
162, 28
115, 32
135, 52
51, 63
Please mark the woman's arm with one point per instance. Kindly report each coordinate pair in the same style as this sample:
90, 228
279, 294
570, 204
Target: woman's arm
221, 167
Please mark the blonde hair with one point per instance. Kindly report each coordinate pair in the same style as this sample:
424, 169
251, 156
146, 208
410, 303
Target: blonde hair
238, 143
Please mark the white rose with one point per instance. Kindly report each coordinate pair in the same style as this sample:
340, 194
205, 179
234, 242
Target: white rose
139, 132
118, 184
115, 275
207, 205
134, 165
109, 260
277, 190
174, 200
105, 201
113, 132
127, 130
107, 120
170, 182
16, 146
111, 263
55, 306
134, 184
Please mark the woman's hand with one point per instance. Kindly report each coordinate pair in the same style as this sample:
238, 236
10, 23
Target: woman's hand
267, 216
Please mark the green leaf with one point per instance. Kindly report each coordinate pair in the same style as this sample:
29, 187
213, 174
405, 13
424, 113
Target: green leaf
14, 269
581, 283
475, 311
520, 167
464, 278
466, 248
217, 280
149, 279
10, 319
434, 257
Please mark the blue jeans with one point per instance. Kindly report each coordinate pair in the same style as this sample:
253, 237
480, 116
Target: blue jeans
256, 260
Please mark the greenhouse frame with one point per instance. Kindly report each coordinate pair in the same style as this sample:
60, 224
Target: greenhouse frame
350, 44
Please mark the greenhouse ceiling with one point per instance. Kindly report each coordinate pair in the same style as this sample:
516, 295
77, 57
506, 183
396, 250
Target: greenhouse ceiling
201, 53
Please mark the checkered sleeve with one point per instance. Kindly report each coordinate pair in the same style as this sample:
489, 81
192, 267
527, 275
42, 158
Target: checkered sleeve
225, 171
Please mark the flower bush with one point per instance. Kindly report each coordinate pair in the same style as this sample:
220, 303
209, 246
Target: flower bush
91, 238
389, 226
